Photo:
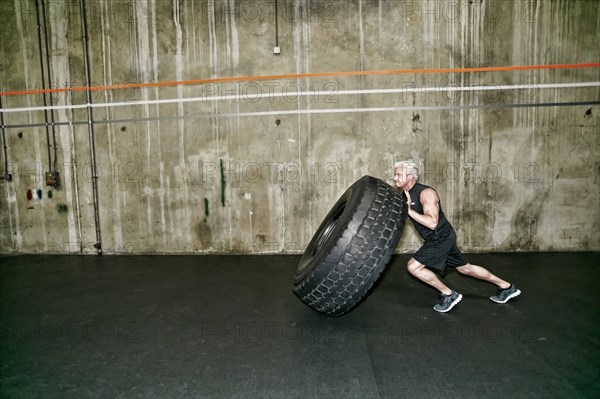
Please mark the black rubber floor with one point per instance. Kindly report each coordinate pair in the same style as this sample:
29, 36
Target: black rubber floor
230, 327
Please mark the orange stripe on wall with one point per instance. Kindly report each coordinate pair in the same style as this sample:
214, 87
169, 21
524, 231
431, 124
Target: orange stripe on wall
300, 75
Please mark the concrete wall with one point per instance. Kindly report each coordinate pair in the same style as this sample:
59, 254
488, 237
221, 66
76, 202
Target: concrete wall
258, 175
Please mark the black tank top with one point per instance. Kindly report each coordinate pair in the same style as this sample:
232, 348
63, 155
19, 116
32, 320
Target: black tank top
416, 205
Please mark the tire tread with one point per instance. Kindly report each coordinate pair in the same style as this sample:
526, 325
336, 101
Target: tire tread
337, 285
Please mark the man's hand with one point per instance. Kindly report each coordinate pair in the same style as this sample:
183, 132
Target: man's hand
408, 198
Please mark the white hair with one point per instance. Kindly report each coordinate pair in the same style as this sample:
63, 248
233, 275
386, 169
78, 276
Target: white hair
409, 166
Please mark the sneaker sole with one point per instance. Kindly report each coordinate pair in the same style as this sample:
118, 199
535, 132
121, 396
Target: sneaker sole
451, 306
514, 294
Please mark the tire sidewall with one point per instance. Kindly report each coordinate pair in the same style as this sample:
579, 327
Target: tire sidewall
321, 247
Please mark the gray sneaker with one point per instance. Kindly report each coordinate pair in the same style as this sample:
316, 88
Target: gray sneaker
447, 302
505, 294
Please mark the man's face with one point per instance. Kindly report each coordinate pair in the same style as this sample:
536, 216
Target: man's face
400, 176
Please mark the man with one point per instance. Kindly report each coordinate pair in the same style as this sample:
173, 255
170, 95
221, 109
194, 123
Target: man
439, 250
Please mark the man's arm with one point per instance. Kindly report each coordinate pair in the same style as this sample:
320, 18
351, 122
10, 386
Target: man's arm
431, 210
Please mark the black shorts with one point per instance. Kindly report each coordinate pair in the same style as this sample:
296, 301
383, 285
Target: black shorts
439, 252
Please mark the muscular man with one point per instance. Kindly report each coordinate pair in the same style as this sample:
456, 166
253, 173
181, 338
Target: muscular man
439, 250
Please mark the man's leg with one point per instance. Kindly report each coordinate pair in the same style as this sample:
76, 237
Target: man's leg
427, 276
507, 290
449, 298
482, 274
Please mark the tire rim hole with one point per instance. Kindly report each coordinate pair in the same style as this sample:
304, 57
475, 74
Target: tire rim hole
328, 229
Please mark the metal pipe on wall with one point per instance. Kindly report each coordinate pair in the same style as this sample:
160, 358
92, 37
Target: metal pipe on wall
7, 176
50, 97
90, 123
296, 111
276, 25
43, 76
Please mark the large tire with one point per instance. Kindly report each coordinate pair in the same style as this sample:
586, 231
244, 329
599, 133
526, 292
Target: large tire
352, 247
